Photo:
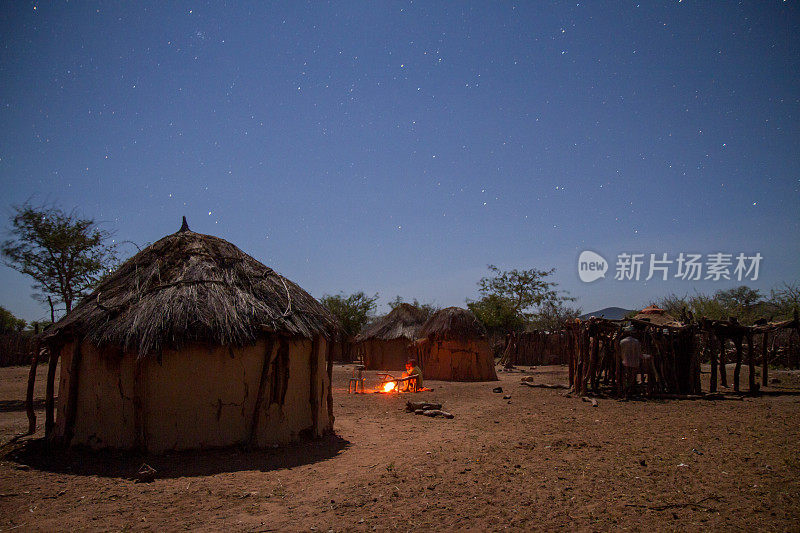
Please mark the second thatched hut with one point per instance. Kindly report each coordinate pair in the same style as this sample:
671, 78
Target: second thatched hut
386, 344
454, 347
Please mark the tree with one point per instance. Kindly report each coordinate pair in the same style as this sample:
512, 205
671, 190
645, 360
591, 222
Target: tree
497, 314
9, 323
38, 325
64, 254
740, 302
555, 315
785, 300
523, 289
673, 305
352, 312
510, 299
429, 309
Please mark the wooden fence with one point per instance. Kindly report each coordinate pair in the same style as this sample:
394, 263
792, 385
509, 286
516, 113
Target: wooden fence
16, 349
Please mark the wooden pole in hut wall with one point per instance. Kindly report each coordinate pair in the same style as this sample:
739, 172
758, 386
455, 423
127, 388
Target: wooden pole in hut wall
764, 360
313, 389
330, 383
139, 438
72, 398
262, 385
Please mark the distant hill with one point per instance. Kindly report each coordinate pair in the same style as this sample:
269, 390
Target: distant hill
611, 313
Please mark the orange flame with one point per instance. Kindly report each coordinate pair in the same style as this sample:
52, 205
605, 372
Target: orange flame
389, 386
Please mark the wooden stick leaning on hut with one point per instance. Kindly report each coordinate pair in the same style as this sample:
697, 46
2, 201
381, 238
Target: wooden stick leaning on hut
49, 402
29, 393
269, 357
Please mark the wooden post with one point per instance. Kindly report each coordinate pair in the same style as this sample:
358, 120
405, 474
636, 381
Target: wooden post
713, 384
72, 398
723, 370
571, 343
751, 366
330, 385
618, 379
313, 392
29, 394
585, 349
593, 360
49, 401
578, 358
262, 385
692, 341
737, 342
764, 360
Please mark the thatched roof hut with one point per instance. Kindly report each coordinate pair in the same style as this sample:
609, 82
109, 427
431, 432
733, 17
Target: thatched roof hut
403, 321
453, 323
192, 343
454, 347
190, 287
657, 316
384, 344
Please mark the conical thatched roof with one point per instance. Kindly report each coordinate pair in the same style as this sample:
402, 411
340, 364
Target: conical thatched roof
404, 321
192, 287
453, 323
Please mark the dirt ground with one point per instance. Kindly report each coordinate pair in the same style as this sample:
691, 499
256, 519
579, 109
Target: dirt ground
536, 461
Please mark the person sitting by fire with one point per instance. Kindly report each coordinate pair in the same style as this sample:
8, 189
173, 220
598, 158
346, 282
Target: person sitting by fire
413, 370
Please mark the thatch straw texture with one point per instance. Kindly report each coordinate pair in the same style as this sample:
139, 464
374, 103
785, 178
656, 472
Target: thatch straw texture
191, 287
453, 323
404, 321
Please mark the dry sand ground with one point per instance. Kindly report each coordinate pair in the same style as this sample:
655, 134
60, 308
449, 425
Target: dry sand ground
537, 461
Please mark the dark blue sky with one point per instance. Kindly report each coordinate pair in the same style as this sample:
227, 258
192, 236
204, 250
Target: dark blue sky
400, 147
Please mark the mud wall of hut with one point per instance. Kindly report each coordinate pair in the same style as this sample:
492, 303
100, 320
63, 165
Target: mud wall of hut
385, 355
450, 360
199, 397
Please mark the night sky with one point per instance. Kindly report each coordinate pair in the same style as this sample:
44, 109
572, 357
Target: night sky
400, 147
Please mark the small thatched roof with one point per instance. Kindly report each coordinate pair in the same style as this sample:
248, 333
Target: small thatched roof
192, 287
453, 323
404, 321
657, 317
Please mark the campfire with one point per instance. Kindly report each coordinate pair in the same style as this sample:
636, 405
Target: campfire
390, 384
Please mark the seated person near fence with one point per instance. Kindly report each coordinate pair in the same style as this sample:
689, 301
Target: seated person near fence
413, 370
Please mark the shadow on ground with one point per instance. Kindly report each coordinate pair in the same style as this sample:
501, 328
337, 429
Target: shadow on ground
37, 454
8, 406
